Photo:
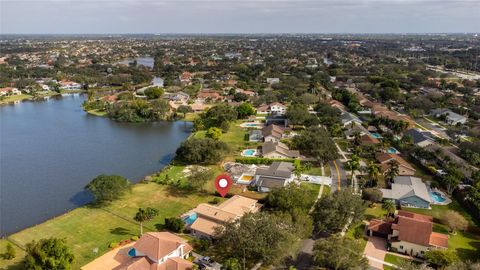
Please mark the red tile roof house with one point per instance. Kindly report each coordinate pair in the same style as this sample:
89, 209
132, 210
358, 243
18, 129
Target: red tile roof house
404, 168
409, 233
10, 91
153, 251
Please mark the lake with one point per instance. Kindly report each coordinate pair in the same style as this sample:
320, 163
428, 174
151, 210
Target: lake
49, 151
146, 61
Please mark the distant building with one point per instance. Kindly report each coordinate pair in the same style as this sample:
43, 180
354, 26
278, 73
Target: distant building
273, 80
10, 91
69, 86
419, 137
348, 118
272, 133
450, 117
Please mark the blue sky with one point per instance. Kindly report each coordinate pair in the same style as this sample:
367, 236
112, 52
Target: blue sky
239, 16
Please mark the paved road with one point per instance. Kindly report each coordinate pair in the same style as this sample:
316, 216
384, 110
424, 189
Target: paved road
339, 176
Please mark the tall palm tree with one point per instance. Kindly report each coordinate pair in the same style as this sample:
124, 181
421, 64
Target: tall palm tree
144, 215
353, 164
373, 170
393, 170
389, 206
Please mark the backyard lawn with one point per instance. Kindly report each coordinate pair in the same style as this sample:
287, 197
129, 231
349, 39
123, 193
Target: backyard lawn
14, 98
92, 229
395, 260
375, 211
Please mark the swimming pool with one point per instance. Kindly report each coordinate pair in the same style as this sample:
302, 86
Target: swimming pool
376, 136
249, 152
437, 197
392, 150
190, 219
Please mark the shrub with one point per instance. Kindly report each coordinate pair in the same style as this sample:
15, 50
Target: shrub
174, 224
113, 245
134, 238
201, 151
201, 244
215, 200
10, 253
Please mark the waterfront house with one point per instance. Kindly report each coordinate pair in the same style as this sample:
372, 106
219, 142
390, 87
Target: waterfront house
278, 150
278, 174
404, 168
409, 233
69, 86
408, 191
205, 218
154, 250
10, 91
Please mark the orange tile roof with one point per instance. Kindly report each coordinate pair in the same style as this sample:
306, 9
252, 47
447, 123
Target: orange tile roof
439, 240
158, 244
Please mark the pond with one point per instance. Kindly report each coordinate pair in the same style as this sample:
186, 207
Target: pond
51, 149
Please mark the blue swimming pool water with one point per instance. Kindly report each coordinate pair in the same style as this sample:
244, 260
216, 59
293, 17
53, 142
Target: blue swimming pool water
392, 150
132, 252
377, 136
436, 197
249, 152
251, 125
190, 219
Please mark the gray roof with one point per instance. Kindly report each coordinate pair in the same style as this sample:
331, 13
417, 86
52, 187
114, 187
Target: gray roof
452, 116
277, 169
407, 186
419, 136
347, 117
270, 182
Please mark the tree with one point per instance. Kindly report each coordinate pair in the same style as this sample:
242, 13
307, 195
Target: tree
199, 176
201, 151
214, 133
10, 253
218, 116
455, 221
334, 211
244, 110
289, 198
372, 194
51, 253
389, 206
184, 109
257, 237
154, 92
174, 224
316, 142
373, 171
107, 188
298, 168
145, 215
336, 252
392, 171
440, 258
297, 114
231, 264
353, 164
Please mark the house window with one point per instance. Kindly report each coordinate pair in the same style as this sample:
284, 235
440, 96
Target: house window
401, 247
421, 252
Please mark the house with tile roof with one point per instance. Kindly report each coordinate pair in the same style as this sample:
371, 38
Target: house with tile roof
404, 168
409, 233
408, 191
206, 217
153, 251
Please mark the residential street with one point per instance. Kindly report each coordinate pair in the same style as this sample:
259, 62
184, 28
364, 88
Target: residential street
339, 176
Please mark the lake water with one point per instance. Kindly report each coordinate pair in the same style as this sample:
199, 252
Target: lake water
146, 61
50, 150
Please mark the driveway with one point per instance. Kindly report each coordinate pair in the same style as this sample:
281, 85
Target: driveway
375, 251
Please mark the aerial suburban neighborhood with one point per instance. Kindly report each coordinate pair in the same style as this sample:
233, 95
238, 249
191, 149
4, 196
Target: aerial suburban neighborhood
239, 151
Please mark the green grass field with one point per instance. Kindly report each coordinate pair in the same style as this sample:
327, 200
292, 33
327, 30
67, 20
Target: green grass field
9, 99
395, 260
86, 229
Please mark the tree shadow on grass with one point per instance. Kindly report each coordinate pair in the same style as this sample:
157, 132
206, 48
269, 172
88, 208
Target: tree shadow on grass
120, 231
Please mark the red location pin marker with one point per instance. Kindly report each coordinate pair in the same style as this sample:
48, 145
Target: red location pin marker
223, 182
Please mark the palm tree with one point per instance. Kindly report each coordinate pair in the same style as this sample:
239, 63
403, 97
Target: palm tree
298, 168
144, 215
373, 170
389, 206
353, 164
393, 170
